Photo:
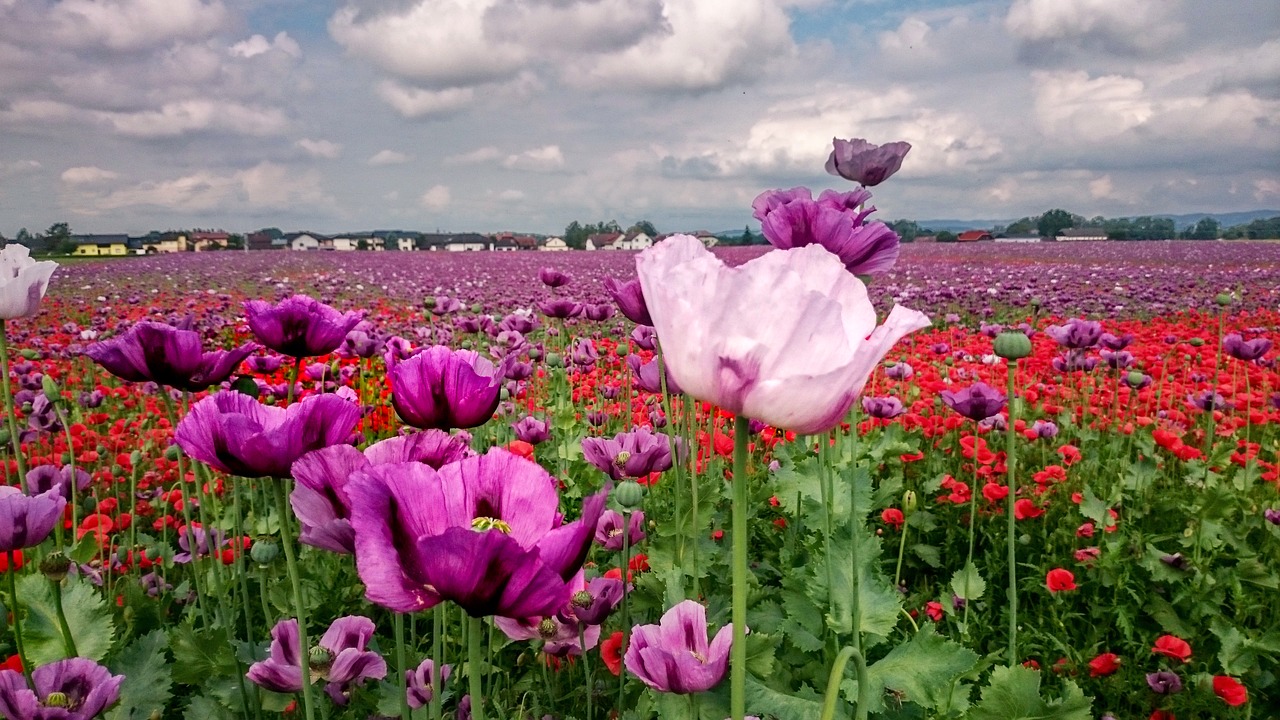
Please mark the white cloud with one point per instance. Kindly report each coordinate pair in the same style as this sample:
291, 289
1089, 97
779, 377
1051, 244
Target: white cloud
387, 157
1266, 189
320, 148
414, 102
187, 116
1070, 104
1101, 187
1133, 26
87, 175
135, 24
479, 155
510, 195
574, 26
437, 198
18, 167
259, 45
547, 158
265, 186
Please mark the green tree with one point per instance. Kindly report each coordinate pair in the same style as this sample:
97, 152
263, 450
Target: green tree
747, 236
24, 237
645, 227
1207, 229
946, 236
908, 230
1021, 226
1054, 221
275, 232
235, 241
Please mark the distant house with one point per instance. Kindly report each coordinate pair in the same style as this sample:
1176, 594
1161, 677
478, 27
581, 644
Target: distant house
554, 244
602, 241
526, 242
265, 241
1083, 234
99, 245
404, 243
708, 240
343, 243
504, 244
303, 241
204, 241
468, 242
633, 240
1016, 238
974, 236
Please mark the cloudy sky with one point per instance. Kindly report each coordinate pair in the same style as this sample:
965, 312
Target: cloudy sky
330, 115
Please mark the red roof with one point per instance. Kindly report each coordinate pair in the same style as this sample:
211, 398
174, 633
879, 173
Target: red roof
972, 235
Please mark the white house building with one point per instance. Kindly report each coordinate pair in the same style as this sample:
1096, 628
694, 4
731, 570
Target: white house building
303, 241
554, 244
633, 240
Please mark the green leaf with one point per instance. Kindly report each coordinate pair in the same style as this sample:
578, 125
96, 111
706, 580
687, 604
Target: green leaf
198, 657
760, 651
920, 670
764, 701
87, 617
1239, 654
879, 604
1014, 694
929, 554
1096, 509
205, 708
967, 583
146, 687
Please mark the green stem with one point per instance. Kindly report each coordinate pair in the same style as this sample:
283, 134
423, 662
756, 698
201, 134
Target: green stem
902, 547
586, 668
973, 515
68, 640
437, 630
17, 616
293, 381
855, 564
1010, 464
738, 651
11, 411
833, 684
71, 464
474, 631
398, 622
626, 610
299, 608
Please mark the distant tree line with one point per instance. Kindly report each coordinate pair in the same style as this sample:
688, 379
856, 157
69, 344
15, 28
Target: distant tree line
1053, 222
576, 234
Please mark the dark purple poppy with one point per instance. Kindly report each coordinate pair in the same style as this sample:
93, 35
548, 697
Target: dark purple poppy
632, 454
674, 655
1245, 350
444, 388
205, 542
47, 477
265, 364
1272, 516
1076, 334
299, 326
1164, 682
645, 337
420, 681
236, 434
341, 658
883, 408
584, 353
630, 299
360, 344
1074, 361
168, 356
26, 520
553, 278
865, 163
71, 689
532, 430
1208, 401
609, 529
977, 402
1115, 342
594, 604
1045, 429
559, 635
648, 376
44, 415
561, 308
484, 532
319, 497
792, 218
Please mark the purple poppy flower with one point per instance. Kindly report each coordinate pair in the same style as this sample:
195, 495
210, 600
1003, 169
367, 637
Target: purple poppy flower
445, 305
648, 376
553, 278
584, 353
26, 520
47, 477
644, 336
71, 689
1208, 401
91, 399
1117, 359
341, 658
792, 219
1245, 350
236, 434
1074, 361
265, 364
1115, 343
1137, 380
1044, 429
559, 634
319, 497
630, 299
484, 532
632, 454
561, 308
900, 371
977, 402
444, 388
205, 542
883, 408
532, 430
593, 604
609, 529
865, 163
1272, 516
152, 351
1076, 334
674, 655
299, 326
1164, 682
421, 681
360, 344
597, 313
44, 415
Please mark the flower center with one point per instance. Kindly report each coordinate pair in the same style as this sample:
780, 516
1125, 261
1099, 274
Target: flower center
698, 656
481, 524
622, 458
547, 628
583, 599
57, 700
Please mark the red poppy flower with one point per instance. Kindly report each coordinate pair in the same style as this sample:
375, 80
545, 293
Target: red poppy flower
1025, 508
1104, 664
1161, 715
17, 561
521, 448
1230, 690
1070, 454
1060, 580
611, 653
933, 609
1172, 647
13, 662
994, 492
892, 516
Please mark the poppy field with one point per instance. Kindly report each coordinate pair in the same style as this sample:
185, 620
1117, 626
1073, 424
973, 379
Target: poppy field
429, 485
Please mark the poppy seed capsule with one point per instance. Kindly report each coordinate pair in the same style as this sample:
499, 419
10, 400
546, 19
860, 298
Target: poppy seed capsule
264, 552
55, 566
1012, 345
630, 495
1223, 299
621, 460
1135, 377
547, 628
583, 599
57, 699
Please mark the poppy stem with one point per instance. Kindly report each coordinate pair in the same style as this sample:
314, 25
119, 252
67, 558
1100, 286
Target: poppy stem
833, 684
475, 630
10, 411
299, 608
1010, 464
16, 611
398, 627
626, 610
586, 669
68, 640
741, 498
437, 631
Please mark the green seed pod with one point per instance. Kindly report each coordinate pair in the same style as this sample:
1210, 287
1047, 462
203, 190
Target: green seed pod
504, 395
135, 458
630, 495
428, 302
1135, 377
622, 351
55, 566
555, 360
1196, 342
477, 308
29, 354
264, 552
1012, 345
50, 388
1223, 299
89, 503
171, 453
535, 353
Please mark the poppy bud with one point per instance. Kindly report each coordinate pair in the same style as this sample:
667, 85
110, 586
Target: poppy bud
1036, 302
555, 360
622, 351
55, 566
135, 458
50, 388
1012, 345
630, 495
88, 503
1196, 342
29, 354
909, 500
4, 436
171, 453
428, 302
1223, 299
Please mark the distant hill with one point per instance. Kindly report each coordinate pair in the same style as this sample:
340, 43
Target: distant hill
1181, 222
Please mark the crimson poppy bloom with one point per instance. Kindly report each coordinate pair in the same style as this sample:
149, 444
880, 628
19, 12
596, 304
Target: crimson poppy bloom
1104, 664
484, 532
892, 516
1230, 690
611, 652
1060, 580
1025, 508
1173, 647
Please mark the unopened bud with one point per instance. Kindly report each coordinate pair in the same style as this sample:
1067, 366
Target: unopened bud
909, 501
1196, 342
555, 360
51, 389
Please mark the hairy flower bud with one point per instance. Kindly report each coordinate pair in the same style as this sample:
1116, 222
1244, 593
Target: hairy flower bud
909, 501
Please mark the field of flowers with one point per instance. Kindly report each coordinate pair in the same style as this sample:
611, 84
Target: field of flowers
566, 550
